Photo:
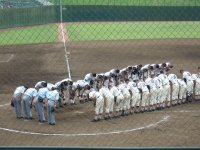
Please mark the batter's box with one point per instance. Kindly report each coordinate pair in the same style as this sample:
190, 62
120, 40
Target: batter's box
5, 58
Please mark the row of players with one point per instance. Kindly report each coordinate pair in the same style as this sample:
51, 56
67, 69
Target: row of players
135, 87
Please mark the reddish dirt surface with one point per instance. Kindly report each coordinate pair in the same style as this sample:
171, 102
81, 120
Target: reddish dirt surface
177, 126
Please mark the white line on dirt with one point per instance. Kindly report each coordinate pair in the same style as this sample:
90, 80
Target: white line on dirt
4, 104
164, 119
9, 59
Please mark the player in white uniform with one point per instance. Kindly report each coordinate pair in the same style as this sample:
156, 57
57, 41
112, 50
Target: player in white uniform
196, 78
174, 88
98, 104
182, 91
123, 87
108, 100
135, 97
90, 76
158, 84
118, 99
61, 86
152, 93
145, 95
165, 90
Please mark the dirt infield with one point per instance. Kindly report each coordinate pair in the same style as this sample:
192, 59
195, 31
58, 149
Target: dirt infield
27, 64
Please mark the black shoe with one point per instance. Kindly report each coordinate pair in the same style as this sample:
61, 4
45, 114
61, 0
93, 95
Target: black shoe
52, 124
31, 118
94, 120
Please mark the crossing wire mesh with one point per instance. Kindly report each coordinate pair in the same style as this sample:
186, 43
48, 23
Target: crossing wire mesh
89, 33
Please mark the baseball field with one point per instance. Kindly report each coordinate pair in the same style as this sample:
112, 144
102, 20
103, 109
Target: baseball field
36, 53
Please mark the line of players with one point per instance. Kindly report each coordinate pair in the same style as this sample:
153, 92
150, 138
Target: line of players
132, 89
136, 89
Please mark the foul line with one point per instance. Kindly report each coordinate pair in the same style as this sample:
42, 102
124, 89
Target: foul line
164, 119
5, 105
9, 59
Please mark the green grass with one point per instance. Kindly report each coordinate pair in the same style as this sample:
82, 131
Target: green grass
102, 31
40, 34
131, 2
133, 30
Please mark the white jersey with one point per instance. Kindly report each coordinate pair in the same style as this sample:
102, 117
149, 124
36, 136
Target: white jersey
186, 74
157, 82
124, 88
88, 77
142, 85
50, 86
151, 83
115, 91
164, 79
94, 94
173, 78
39, 85
182, 83
104, 91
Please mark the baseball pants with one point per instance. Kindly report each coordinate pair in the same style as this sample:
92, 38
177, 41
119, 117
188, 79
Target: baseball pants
17, 105
126, 102
145, 99
26, 104
109, 103
119, 102
136, 97
175, 91
40, 109
51, 112
190, 86
99, 105
197, 89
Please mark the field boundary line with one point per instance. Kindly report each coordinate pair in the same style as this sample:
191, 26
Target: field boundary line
163, 119
9, 59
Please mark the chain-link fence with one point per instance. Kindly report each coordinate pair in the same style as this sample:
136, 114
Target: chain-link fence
52, 40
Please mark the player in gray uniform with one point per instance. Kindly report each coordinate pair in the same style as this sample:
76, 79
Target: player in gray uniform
27, 98
17, 98
53, 97
41, 100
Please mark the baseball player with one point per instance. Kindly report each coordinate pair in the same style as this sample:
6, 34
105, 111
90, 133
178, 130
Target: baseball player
174, 86
134, 74
98, 104
135, 97
41, 99
61, 86
108, 100
152, 93
40, 84
182, 91
90, 76
187, 77
145, 95
165, 99
159, 87
196, 78
81, 89
27, 98
52, 97
118, 99
124, 88
17, 98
